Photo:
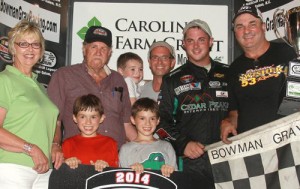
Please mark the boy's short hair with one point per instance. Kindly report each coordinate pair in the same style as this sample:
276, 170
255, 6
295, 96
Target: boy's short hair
123, 58
144, 104
88, 102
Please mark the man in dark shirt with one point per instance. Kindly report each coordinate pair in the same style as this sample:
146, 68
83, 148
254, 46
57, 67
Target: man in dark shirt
257, 77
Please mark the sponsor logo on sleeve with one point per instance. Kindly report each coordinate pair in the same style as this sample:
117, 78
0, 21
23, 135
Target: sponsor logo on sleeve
222, 94
214, 84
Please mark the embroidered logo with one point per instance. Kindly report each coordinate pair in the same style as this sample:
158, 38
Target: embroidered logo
186, 78
187, 87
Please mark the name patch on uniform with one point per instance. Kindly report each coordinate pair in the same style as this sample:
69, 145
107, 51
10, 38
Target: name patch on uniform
187, 87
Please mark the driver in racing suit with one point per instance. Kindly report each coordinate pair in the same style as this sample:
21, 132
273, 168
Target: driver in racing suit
193, 101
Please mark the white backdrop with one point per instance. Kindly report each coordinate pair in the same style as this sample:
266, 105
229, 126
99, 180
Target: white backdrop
136, 26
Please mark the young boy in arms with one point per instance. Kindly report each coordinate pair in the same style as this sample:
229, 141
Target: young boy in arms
130, 66
146, 152
89, 147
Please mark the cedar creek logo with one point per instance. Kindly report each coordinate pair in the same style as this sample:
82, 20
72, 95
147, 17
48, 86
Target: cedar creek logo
93, 22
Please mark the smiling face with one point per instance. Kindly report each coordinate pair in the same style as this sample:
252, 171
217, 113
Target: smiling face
160, 61
88, 122
25, 58
249, 31
145, 122
197, 45
133, 69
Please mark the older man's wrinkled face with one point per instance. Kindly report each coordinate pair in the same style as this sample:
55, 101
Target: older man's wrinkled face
96, 54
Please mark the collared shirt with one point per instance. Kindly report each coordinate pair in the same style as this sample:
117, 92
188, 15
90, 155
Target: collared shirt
70, 82
30, 114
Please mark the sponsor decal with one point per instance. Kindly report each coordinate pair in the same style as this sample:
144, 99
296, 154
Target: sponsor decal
49, 59
219, 75
293, 89
4, 54
222, 94
197, 103
187, 87
296, 68
253, 76
187, 78
100, 32
214, 84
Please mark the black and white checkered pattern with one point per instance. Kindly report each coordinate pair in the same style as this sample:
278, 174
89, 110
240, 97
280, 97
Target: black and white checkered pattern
274, 169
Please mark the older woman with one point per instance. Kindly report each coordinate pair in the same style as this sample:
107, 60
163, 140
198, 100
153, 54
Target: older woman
27, 116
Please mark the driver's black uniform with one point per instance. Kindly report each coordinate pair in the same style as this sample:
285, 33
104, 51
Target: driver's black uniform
192, 103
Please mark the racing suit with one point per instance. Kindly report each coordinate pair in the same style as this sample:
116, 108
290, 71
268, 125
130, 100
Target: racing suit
192, 103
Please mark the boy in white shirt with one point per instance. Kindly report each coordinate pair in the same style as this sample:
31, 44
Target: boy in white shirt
130, 66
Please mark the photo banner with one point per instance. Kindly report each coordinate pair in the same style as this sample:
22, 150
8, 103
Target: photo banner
135, 26
51, 17
266, 157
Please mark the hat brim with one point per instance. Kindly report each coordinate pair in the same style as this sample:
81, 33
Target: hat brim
91, 40
246, 12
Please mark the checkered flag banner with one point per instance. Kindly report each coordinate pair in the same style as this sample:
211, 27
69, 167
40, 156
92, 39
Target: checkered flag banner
267, 157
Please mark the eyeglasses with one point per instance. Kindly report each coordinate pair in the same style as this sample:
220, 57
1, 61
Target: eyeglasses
162, 58
26, 45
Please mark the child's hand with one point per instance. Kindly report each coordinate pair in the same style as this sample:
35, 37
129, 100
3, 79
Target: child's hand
167, 170
73, 162
99, 165
138, 168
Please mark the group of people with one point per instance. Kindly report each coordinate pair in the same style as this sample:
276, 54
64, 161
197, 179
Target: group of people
93, 115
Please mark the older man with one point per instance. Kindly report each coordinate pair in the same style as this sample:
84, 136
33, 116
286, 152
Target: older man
93, 76
257, 78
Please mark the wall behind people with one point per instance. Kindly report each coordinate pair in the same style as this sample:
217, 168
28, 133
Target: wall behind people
267, 7
137, 25
51, 16
58, 51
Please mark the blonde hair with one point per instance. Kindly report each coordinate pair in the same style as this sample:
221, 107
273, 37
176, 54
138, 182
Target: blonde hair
24, 27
